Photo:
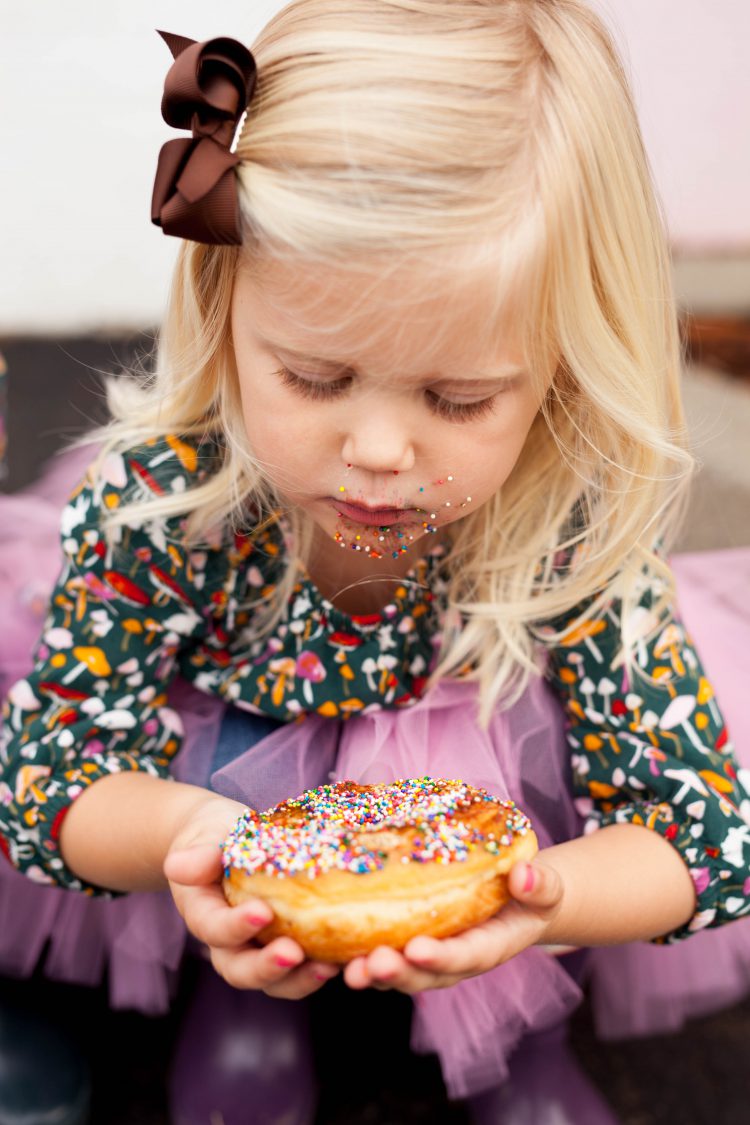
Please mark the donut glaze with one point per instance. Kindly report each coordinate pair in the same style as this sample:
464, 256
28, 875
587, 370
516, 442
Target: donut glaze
348, 867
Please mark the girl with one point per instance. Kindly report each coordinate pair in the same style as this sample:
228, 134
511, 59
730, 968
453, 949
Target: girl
394, 501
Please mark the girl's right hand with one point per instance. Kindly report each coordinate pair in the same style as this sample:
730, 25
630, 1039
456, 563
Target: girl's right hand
194, 870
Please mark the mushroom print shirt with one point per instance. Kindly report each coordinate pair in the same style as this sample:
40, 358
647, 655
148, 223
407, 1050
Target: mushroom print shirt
132, 611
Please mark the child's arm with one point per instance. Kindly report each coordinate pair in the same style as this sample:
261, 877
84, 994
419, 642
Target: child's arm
667, 844
650, 748
620, 884
135, 832
95, 703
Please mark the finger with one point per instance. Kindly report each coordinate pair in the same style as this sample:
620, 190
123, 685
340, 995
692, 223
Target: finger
475, 951
356, 975
309, 977
210, 918
259, 968
200, 864
536, 885
385, 965
388, 969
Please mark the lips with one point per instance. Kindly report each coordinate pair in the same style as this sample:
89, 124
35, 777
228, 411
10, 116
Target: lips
373, 517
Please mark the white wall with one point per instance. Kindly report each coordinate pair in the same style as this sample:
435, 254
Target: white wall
688, 63
80, 88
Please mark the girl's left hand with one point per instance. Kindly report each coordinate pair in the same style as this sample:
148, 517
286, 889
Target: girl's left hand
536, 895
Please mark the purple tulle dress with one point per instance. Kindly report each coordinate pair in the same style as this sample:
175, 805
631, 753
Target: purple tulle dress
138, 941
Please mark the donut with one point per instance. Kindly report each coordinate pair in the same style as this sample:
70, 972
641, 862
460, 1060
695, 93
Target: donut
348, 867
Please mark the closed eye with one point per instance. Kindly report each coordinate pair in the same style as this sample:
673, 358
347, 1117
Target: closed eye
314, 388
322, 391
461, 411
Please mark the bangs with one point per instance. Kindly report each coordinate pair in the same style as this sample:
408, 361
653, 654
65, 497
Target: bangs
447, 304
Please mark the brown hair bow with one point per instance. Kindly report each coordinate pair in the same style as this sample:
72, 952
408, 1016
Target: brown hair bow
207, 90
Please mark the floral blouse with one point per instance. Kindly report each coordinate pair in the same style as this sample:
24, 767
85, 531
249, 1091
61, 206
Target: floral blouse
127, 616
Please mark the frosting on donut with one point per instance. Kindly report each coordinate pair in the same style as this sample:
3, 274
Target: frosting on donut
327, 829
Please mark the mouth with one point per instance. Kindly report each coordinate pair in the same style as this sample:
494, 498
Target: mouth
373, 517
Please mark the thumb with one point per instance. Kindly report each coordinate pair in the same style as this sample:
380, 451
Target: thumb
200, 865
535, 884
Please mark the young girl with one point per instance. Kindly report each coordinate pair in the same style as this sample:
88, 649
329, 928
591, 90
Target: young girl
395, 501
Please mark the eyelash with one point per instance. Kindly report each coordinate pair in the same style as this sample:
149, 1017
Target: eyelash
452, 411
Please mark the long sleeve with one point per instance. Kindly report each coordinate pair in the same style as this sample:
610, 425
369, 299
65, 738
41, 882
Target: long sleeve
653, 749
121, 616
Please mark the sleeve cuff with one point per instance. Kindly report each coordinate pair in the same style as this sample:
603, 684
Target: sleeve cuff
707, 870
45, 837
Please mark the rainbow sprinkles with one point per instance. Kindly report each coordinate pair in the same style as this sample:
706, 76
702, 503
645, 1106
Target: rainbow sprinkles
326, 829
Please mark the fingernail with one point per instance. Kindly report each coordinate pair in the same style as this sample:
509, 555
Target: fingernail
284, 962
324, 974
530, 879
257, 920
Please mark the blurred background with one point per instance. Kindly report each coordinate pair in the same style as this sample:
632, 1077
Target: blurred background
83, 283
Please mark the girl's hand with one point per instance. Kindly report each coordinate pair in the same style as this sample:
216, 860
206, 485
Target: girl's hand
194, 870
537, 892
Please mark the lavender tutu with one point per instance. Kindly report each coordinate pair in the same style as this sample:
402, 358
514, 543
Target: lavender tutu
474, 1026
139, 940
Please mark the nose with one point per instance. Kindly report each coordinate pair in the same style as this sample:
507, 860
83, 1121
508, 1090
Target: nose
378, 440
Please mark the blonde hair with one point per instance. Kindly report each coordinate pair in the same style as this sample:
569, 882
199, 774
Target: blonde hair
502, 135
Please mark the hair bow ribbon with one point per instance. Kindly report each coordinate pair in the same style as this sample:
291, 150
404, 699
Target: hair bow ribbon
207, 90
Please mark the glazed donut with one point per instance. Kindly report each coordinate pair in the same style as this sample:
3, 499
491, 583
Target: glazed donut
348, 867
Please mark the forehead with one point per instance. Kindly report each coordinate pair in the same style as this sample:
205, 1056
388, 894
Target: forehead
388, 320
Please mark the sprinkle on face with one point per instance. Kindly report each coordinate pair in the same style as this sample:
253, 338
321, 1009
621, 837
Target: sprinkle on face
388, 542
374, 541
327, 829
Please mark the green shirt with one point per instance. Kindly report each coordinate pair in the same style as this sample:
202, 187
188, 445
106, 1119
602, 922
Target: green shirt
126, 617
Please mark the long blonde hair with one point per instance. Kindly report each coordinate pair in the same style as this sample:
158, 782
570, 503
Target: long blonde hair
501, 134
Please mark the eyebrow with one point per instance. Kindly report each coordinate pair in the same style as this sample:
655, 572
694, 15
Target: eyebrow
505, 371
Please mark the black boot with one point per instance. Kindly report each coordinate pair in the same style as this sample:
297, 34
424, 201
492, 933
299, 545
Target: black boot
43, 1078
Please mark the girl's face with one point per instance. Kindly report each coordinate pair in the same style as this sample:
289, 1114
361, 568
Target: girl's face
375, 409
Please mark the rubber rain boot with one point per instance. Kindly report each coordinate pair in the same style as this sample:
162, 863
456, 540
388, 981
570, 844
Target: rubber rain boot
242, 1058
546, 1086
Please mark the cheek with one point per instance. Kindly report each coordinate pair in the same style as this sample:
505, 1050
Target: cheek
281, 438
489, 456
266, 418
261, 425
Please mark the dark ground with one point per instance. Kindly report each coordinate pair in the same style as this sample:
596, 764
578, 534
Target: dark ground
699, 1077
